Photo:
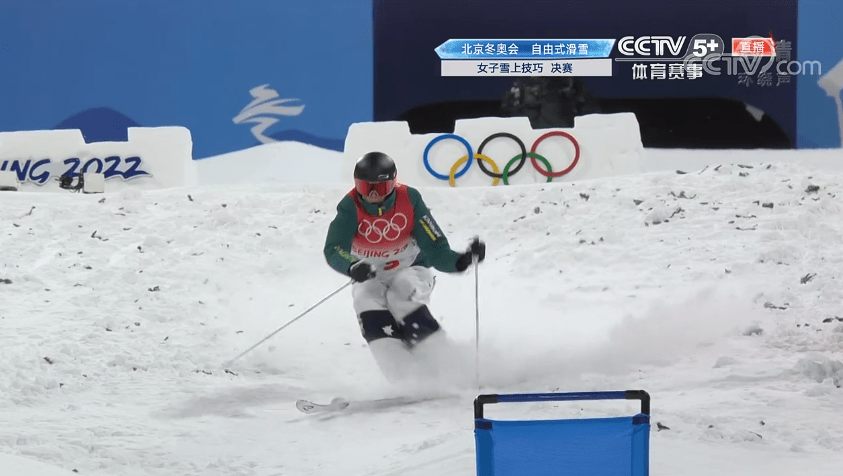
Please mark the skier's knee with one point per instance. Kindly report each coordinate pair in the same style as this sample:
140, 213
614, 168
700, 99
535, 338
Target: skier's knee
414, 283
418, 326
378, 324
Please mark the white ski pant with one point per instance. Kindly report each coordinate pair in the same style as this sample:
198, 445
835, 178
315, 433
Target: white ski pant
383, 305
400, 293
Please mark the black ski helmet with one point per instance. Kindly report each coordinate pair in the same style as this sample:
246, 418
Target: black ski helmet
375, 167
374, 176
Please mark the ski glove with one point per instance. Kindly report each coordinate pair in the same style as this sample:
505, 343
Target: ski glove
361, 271
477, 248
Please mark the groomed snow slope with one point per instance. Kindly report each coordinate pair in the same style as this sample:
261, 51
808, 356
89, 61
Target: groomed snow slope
717, 291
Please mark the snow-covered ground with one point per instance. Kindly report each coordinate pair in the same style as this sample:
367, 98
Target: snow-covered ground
717, 291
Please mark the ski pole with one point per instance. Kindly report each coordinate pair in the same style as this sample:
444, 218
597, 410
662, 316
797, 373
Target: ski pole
290, 322
476, 323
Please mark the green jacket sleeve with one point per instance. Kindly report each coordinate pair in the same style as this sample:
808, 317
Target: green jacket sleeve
435, 249
340, 234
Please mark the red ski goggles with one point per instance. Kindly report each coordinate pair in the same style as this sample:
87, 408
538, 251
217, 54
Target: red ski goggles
374, 191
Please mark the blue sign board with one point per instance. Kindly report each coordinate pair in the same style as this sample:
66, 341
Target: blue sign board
820, 44
237, 74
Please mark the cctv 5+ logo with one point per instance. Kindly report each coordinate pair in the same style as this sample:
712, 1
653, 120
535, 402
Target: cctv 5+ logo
701, 45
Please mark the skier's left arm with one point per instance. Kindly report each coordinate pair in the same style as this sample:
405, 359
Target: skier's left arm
433, 242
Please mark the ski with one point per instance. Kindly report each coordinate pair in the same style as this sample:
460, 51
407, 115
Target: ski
341, 404
306, 406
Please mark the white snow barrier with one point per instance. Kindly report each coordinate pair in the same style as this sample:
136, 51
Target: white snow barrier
93, 183
599, 145
8, 182
152, 157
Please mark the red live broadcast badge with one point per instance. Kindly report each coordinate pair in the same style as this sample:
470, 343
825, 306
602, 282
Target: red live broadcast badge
753, 47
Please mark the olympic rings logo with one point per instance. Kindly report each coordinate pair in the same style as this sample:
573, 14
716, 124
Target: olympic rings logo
495, 173
383, 229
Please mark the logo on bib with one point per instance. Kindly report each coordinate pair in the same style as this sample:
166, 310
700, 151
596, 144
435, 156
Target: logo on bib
381, 229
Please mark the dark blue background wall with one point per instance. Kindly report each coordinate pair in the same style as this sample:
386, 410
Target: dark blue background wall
102, 65
407, 71
185, 62
820, 39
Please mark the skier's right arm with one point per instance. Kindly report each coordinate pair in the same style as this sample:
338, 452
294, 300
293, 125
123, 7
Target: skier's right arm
340, 234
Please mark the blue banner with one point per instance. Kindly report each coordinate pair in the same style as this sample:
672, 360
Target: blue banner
237, 74
240, 74
819, 46
524, 49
